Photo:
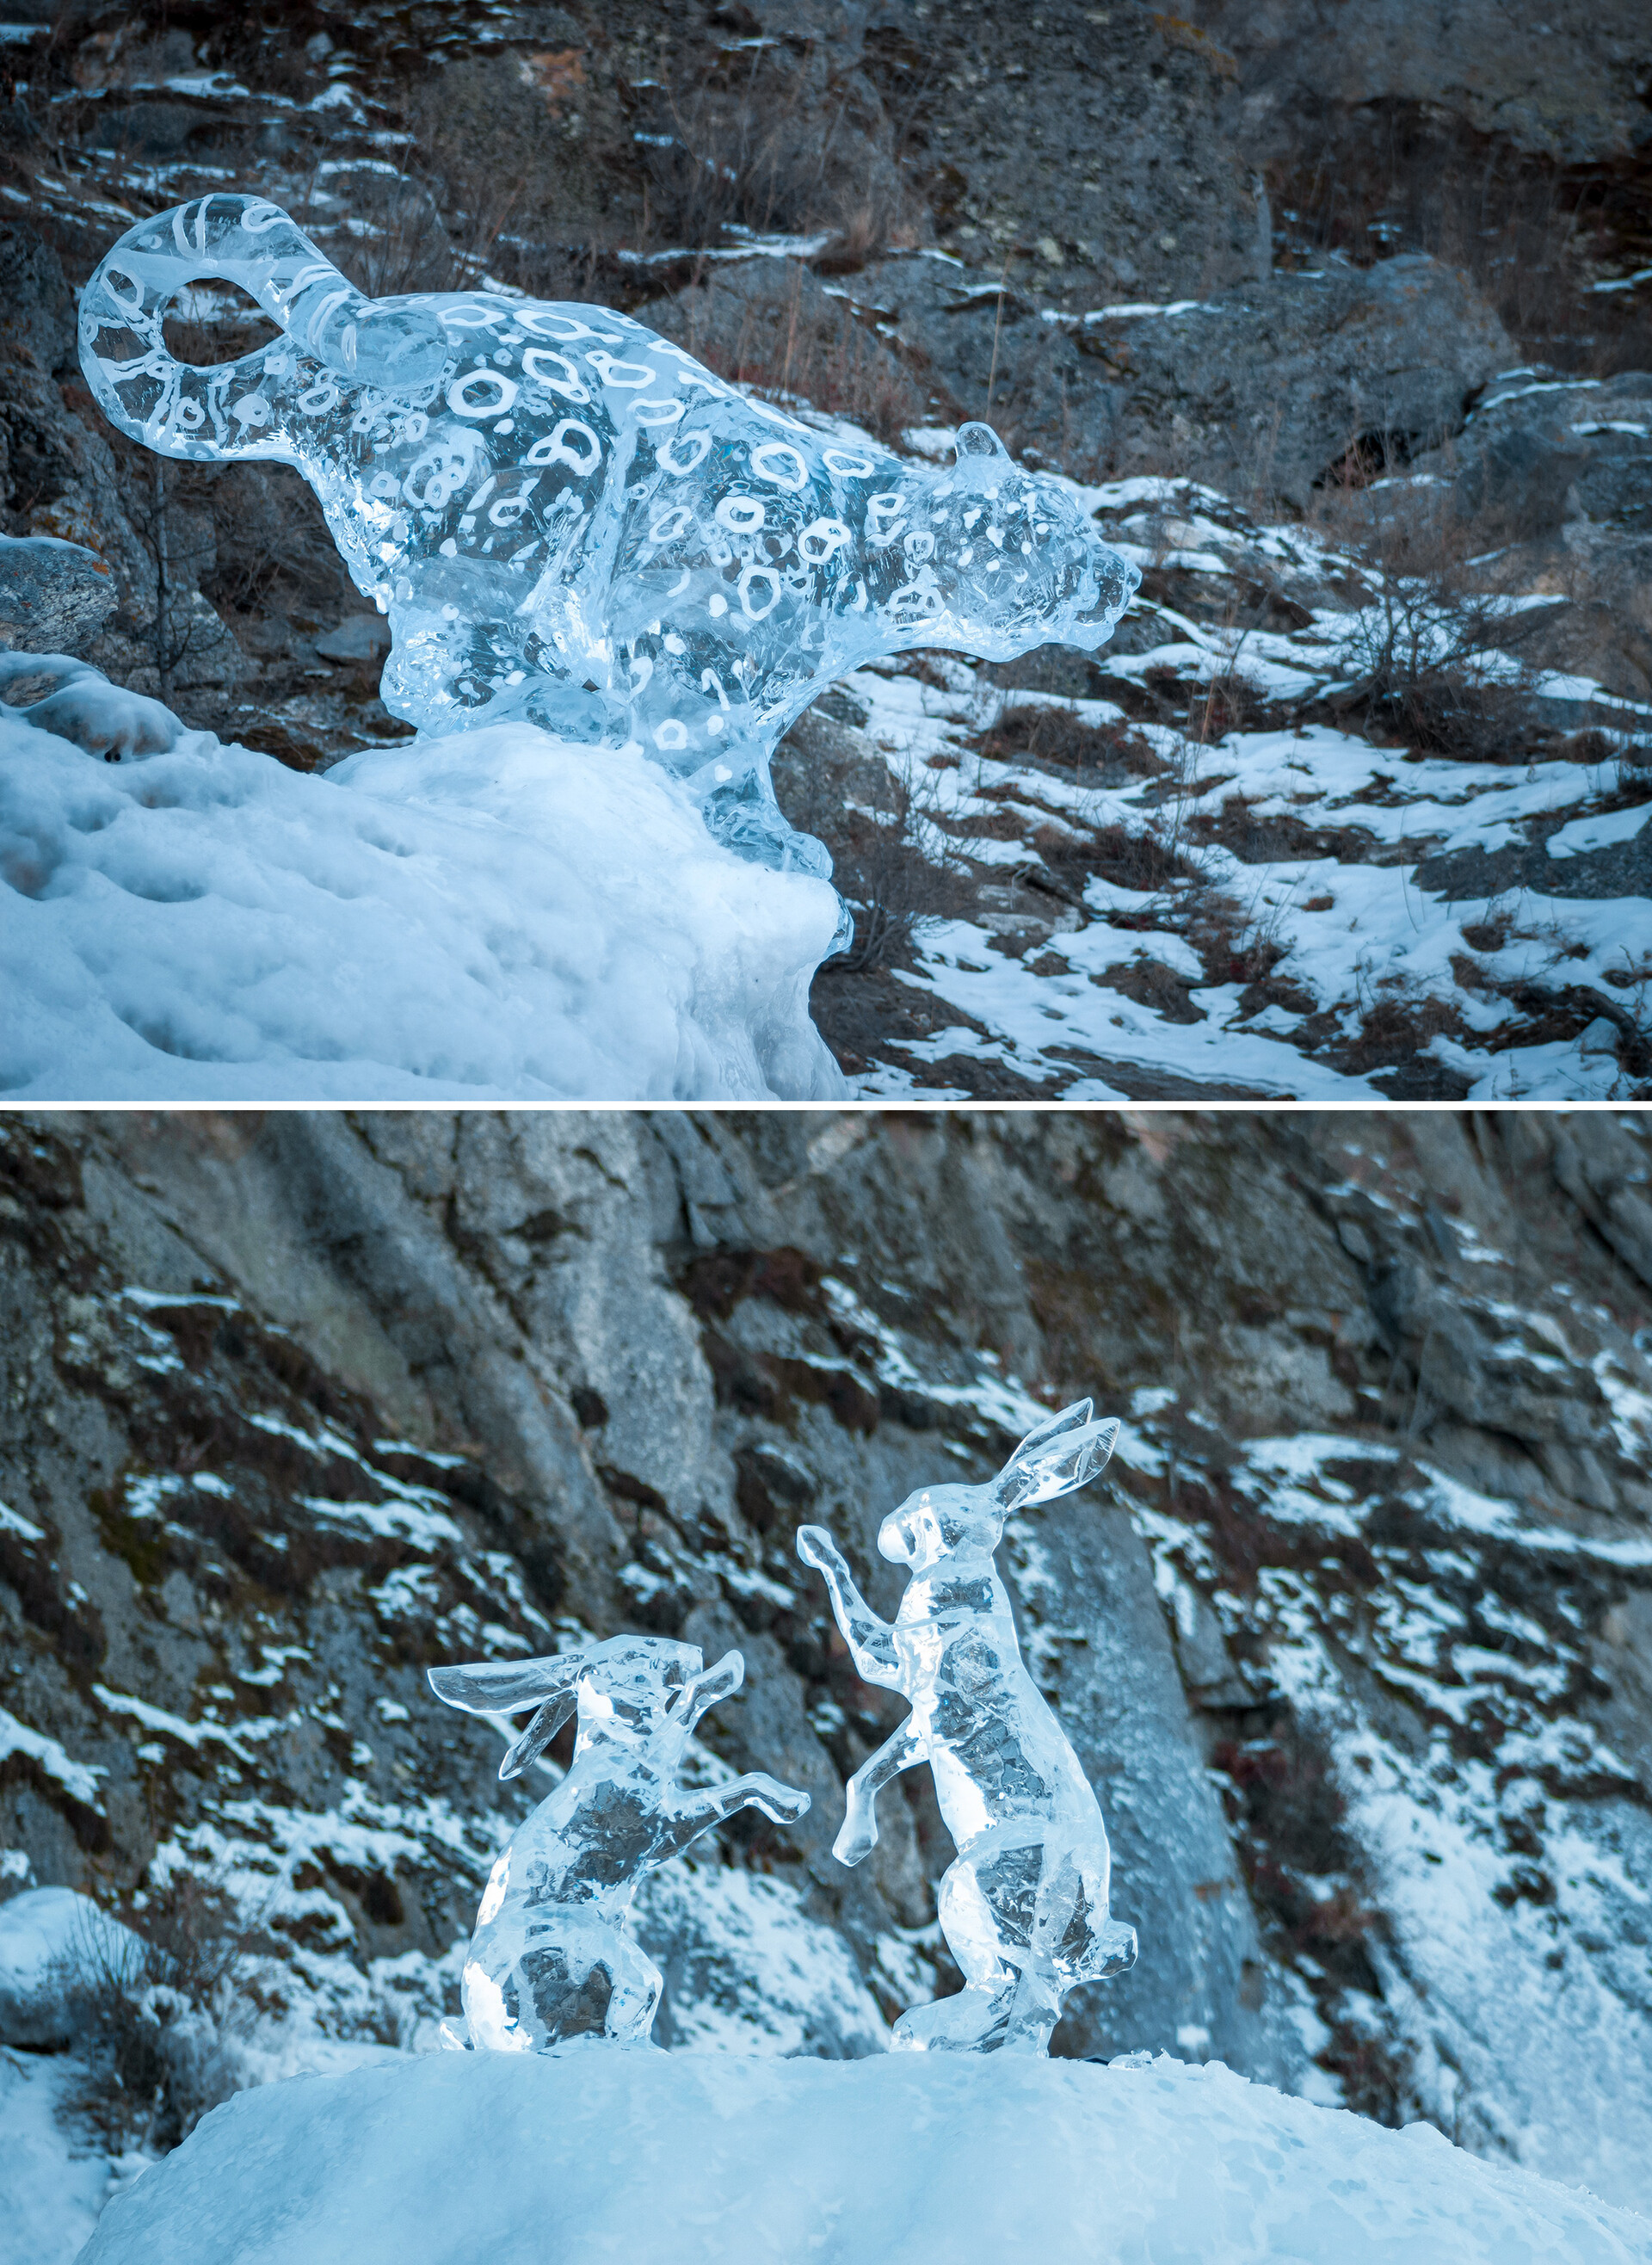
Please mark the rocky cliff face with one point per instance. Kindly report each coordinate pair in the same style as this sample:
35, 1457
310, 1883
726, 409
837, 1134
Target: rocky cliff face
1353, 1640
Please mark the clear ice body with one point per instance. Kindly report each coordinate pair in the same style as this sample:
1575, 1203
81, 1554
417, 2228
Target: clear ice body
1025, 1905
568, 519
551, 1960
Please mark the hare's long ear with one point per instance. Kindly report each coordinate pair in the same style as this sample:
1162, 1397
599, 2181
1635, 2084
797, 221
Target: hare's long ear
539, 1733
1069, 1419
705, 1690
1008, 1487
506, 1687
1058, 1457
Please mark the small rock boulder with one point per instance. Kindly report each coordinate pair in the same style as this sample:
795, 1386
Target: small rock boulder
53, 1941
53, 692
54, 597
358, 637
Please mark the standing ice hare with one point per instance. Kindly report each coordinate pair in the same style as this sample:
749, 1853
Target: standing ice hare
1024, 1906
550, 1959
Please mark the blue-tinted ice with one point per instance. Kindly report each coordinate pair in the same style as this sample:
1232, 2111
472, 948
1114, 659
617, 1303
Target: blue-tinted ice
550, 1959
1024, 1907
567, 518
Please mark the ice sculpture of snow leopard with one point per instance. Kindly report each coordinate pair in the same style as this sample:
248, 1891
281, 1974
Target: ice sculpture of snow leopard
567, 518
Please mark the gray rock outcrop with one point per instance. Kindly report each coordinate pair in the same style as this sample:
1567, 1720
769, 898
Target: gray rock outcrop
1264, 388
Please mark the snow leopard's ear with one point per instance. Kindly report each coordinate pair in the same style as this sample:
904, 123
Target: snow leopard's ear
977, 440
504, 1687
1056, 1458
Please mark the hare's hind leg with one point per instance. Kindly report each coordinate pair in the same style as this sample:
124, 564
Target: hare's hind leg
1071, 1939
1026, 1919
1034, 2009
633, 1998
972, 2022
538, 1978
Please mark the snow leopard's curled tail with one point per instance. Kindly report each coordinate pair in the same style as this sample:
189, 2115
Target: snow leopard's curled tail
332, 332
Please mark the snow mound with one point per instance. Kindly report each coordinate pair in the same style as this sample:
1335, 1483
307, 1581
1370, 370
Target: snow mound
674, 2159
82, 705
45, 1934
497, 915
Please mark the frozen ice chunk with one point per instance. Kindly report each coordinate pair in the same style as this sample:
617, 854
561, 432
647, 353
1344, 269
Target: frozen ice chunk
470, 918
50, 1940
1024, 1907
568, 519
550, 1959
80, 704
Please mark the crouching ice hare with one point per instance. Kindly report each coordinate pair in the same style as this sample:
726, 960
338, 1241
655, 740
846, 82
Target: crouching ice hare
551, 1960
1023, 1908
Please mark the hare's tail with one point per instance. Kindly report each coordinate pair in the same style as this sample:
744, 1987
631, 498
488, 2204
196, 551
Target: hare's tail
229, 411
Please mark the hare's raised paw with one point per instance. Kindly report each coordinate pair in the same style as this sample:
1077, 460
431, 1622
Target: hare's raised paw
785, 1803
1113, 1951
852, 1848
815, 1546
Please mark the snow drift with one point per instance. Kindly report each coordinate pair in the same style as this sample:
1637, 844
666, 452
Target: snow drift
593, 2152
492, 916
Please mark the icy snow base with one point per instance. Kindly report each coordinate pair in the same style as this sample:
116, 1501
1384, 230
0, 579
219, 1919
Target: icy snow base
495, 915
679, 2158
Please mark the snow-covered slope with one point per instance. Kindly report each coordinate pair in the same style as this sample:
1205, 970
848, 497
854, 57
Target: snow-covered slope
54, 2180
1202, 879
599, 2153
1192, 869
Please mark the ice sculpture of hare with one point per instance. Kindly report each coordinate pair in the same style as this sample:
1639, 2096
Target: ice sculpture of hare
550, 1959
567, 518
1023, 1908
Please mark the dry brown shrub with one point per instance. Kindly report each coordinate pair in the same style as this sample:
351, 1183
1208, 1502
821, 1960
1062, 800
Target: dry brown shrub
1097, 754
1433, 659
1140, 860
831, 360
894, 866
155, 2021
767, 141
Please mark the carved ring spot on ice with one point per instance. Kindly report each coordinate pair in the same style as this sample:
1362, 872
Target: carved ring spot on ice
678, 569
